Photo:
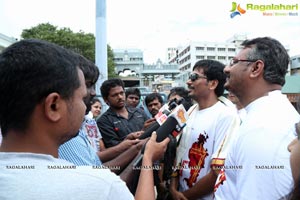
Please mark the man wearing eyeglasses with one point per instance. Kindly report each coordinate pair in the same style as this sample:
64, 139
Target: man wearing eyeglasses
256, 76
206, 128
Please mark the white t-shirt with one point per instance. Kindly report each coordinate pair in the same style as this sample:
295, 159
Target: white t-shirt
242, 113
89, 126
257, 164
28, 176
204, 132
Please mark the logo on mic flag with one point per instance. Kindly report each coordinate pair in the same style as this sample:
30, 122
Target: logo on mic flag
180, 115
161, 118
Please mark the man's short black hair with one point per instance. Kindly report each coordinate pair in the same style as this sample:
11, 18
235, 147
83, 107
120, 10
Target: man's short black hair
274, 56
152, 96
108, 84
134, 91
30, 70
213, 70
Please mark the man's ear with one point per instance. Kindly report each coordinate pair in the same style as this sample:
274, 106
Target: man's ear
53, 107
106, 101
213, 84
257, 69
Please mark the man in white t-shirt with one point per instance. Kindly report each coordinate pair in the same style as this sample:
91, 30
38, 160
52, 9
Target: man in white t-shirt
209, 121
52, 89
257, 163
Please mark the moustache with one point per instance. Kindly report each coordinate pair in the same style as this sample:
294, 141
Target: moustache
121, 101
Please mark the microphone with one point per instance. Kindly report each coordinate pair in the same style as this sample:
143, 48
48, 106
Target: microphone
167, 128
176, 119
161, 117
147, 133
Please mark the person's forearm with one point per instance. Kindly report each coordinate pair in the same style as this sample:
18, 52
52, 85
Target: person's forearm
146, 182
174, 183
110, 153
203, 187
122, 160
129, 174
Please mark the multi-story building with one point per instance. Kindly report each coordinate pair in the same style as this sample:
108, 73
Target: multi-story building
171, 52
295, 65
187, 55
5, 41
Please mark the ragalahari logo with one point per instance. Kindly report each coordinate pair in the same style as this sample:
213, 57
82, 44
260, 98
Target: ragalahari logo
236, 10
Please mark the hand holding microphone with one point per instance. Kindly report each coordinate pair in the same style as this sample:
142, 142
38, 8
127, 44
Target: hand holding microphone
155, 150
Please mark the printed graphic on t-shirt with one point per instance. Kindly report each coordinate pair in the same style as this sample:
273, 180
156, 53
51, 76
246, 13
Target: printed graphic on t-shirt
91, 131
197, 155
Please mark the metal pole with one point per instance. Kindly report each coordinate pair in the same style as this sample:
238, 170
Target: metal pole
101, 42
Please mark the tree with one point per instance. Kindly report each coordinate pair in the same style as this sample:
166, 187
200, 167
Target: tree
82, 43
110, 62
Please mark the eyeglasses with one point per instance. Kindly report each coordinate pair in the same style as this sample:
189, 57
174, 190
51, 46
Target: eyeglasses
195, 77
234, 61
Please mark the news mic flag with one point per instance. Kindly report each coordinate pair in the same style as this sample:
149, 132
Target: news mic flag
160, 117
179, 114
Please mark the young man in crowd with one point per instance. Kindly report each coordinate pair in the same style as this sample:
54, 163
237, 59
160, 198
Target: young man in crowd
133, 97
154, 102
208, 124
181, 92
119, 121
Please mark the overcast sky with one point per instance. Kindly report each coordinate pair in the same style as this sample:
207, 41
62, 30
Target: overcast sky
154, 25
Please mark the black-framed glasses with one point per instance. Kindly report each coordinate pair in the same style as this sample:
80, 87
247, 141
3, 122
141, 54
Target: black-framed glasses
234, 61
195, 77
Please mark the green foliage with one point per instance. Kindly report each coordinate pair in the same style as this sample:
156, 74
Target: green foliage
82, 43
110, 62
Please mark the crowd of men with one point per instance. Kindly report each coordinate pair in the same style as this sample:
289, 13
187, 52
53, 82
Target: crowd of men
57, 144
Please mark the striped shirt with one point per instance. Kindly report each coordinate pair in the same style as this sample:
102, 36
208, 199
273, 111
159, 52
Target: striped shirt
79, 151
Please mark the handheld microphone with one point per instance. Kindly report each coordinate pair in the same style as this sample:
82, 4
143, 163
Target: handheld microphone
147, 133
161, 117
176, 119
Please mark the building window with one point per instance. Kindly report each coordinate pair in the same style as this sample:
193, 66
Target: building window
199, 57
118, 59
211, 57
221, 57
199, 48
221, 49
231, 49
136, 59
211, 48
